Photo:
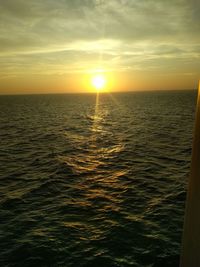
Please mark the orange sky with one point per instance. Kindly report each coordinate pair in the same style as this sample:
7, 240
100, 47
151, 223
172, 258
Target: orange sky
56, 46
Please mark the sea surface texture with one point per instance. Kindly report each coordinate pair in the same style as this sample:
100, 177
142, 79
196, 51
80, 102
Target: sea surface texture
94, 180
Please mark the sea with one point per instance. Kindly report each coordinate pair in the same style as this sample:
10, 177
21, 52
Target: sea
94, 180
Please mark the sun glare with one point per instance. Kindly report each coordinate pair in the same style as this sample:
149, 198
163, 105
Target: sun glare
98, 81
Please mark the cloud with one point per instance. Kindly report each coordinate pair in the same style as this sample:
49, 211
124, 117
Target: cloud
72, 35
61, 21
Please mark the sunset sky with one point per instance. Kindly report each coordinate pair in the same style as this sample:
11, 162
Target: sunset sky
49, 46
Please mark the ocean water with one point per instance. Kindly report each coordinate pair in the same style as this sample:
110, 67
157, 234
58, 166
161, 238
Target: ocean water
94, 180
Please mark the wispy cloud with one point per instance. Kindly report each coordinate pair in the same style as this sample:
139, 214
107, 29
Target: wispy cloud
71, 35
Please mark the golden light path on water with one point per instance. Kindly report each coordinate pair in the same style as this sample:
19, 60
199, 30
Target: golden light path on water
97, 173
101, 146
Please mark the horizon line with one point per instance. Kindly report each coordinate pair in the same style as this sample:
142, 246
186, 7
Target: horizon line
104, 92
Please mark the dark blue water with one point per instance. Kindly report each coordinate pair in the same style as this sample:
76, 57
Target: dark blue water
88, 181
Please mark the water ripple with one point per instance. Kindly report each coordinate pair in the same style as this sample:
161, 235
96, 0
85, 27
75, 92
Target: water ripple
94, 184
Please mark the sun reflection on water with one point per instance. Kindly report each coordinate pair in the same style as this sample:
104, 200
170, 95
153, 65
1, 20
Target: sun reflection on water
97, 149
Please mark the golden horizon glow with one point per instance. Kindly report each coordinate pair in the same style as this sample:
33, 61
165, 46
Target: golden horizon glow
50, 61
98, 82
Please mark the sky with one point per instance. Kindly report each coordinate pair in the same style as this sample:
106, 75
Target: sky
55, 46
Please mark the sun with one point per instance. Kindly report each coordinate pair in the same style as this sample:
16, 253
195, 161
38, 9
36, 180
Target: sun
98, 81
